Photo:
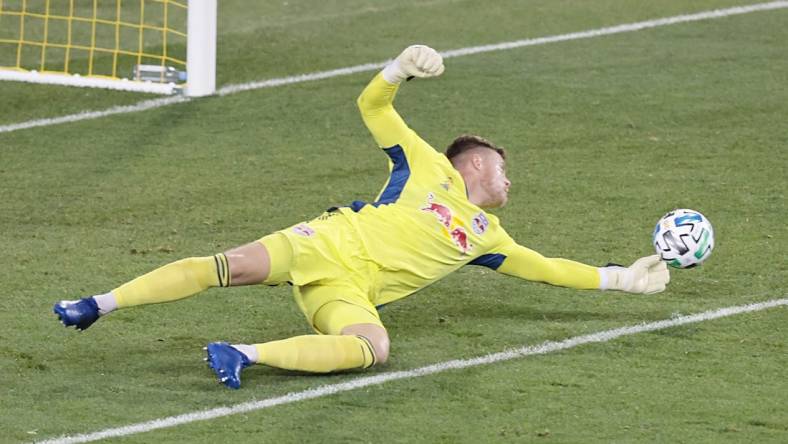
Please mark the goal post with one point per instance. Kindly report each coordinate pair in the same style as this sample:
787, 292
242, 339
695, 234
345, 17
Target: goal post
201, 48
153, 46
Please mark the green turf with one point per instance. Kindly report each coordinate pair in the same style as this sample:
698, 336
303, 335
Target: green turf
604, 136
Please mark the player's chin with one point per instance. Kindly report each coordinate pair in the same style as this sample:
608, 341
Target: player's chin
504, 199
501, 202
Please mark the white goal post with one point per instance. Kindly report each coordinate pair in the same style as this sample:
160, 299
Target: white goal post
153, 46
201, 48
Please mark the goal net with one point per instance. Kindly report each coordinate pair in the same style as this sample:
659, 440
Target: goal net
155, 46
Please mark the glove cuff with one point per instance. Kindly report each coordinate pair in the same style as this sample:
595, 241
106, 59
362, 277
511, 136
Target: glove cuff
393, 73
611, 278
604, 278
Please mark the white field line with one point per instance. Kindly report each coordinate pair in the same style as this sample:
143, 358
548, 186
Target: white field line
367, 381
232, 89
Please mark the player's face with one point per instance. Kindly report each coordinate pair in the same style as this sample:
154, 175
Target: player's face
494, 181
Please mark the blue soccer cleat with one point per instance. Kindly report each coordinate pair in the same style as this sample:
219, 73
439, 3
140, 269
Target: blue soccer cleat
82, 313
227, 362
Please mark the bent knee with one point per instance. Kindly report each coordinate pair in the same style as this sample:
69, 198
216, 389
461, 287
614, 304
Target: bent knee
380, 347
374, 335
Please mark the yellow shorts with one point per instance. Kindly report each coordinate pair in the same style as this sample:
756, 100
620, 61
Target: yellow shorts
332, 277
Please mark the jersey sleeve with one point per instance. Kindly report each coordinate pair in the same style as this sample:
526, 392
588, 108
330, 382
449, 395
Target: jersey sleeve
380, 117
525, 263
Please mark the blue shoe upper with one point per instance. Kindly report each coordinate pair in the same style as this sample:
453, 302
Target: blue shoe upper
227, 362
82, 313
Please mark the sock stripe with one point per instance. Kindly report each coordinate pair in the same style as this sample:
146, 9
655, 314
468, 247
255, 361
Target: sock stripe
363, 354
226, 265
369, 348
222, 270
218, 269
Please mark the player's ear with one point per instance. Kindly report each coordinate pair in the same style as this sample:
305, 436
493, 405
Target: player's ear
477, 160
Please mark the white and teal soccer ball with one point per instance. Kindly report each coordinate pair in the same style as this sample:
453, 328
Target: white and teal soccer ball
683, 238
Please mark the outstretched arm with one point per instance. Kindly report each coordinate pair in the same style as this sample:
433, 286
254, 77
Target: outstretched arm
376, 101
528, 264
647, 275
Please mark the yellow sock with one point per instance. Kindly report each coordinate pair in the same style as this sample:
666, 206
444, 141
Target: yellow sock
175, 281
317, 353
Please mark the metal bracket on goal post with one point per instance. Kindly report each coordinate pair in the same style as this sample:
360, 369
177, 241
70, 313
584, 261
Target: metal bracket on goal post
201, 48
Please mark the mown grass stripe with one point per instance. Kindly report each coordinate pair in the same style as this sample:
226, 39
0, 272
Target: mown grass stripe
232, 89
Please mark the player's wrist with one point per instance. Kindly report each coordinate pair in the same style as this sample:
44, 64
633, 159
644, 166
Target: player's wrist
393, 73
613, 278
604, 278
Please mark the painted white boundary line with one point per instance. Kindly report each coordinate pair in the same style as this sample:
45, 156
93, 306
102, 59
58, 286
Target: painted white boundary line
232, 89
361, 382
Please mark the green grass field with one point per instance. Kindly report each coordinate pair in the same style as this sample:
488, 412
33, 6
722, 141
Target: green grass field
604, 136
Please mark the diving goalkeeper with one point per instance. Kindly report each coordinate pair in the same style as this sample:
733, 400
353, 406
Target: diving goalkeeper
429, 220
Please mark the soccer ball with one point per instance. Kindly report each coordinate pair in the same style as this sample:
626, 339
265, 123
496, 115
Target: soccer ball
683, 238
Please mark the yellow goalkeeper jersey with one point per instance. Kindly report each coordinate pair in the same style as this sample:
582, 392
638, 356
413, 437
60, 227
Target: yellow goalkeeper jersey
422, 226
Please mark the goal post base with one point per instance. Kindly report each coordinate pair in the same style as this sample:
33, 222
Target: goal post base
91, 82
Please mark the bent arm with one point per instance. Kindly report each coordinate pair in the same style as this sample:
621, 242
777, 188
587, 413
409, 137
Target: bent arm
528, 264
377, 110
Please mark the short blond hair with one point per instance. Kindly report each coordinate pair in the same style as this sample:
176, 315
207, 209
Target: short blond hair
467, 142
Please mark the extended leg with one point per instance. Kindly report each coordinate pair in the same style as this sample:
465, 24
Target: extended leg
249, 264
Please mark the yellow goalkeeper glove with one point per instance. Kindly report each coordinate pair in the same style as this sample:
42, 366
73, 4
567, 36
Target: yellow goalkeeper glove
647, 275
414, 61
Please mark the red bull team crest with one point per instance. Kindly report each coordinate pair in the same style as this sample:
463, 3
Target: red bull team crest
460, 238
479, 224
442, 212
453, 228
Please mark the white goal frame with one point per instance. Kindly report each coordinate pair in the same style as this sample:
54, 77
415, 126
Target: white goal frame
200, 62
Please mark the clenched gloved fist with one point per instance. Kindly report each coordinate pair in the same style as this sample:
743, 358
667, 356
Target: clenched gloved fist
414, 61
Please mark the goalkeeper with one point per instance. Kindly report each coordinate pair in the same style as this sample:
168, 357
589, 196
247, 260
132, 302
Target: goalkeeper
429, 220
